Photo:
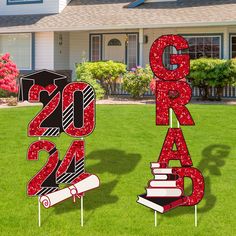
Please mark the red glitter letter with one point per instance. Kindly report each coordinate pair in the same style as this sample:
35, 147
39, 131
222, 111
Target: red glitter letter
173, 95
182, 60
175, 136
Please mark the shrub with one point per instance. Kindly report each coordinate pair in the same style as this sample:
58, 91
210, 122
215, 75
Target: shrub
206, 72
87, 77
136, 82
8, 74
106, 72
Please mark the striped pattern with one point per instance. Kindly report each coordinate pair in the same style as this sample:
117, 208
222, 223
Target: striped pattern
88, 96
52, 132
45, 191
68, 116
67, 178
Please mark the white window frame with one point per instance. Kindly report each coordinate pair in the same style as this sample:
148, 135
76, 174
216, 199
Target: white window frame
137, 44
231, 44
31, 53
207, 36
100, 46
19, 2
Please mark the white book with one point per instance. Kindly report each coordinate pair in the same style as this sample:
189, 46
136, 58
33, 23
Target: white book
164, 192
155, 165
162, 171
158, 165
168, 183
161, 177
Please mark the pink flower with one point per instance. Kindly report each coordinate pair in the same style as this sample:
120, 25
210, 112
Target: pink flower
8, 74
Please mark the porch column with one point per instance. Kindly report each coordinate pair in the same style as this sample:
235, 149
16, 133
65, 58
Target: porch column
141, 47
226, 44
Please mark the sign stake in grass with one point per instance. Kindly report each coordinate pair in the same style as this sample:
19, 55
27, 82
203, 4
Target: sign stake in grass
69, 108
166, 190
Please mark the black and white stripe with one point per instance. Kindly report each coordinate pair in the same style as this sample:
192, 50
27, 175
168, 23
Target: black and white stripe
51, 132
88, 96
68, 177
45, 191
68, 115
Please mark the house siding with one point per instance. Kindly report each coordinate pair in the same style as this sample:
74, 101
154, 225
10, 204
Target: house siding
79, 48
44, 50
46, 7
61, 52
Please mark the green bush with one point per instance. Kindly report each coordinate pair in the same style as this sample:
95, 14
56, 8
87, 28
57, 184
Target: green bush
136, 82
206, 72
106, 72
87, 77
6, 94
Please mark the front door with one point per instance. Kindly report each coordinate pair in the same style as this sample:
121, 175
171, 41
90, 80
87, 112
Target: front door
114, 47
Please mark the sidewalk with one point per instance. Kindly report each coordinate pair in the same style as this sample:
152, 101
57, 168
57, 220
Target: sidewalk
129, 101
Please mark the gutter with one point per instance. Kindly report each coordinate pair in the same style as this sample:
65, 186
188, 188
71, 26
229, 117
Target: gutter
116, 27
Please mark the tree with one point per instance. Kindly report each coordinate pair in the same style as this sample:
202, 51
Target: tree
8, 74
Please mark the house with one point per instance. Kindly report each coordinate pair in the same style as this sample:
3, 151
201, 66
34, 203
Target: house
56, 34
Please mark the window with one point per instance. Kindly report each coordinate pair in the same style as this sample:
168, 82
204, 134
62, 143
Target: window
132, 51
20, 48
233, 46
204, 46
12, 2
114, 42
96, 48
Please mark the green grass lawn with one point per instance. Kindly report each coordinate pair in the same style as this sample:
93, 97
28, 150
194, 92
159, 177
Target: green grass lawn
119, 151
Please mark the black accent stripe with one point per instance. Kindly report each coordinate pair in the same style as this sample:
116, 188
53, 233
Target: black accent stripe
65, 119
68, 123
75, 176
79, 162
88, 94
49, 130
68, 109
78, 167
55, 133
62, 177
69, 177
86, 90
52, 151
41, 192
88, 101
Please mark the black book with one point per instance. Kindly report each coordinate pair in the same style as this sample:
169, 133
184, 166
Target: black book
160, 204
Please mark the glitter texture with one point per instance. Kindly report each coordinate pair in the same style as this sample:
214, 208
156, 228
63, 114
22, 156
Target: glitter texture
34, 186
173, 95
182, 60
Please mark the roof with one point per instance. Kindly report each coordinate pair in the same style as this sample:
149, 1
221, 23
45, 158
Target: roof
113, 14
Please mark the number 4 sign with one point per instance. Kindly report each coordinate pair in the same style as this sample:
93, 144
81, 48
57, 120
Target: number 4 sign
69, 108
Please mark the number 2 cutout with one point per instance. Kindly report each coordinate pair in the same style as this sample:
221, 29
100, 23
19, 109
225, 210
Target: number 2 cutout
78, 110
55, 171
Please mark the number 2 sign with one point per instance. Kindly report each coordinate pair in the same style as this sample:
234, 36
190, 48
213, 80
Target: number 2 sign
69, 108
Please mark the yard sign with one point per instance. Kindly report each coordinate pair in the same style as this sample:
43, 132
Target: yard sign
68, 108
166, 190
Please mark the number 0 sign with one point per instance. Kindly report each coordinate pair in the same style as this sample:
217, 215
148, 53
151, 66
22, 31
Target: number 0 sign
69, 108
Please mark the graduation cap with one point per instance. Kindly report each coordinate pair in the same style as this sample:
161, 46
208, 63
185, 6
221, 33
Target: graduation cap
44, 78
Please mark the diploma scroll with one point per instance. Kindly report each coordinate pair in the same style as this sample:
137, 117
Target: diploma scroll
84, 185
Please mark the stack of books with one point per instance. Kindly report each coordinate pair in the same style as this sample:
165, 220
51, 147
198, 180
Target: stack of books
162, 194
